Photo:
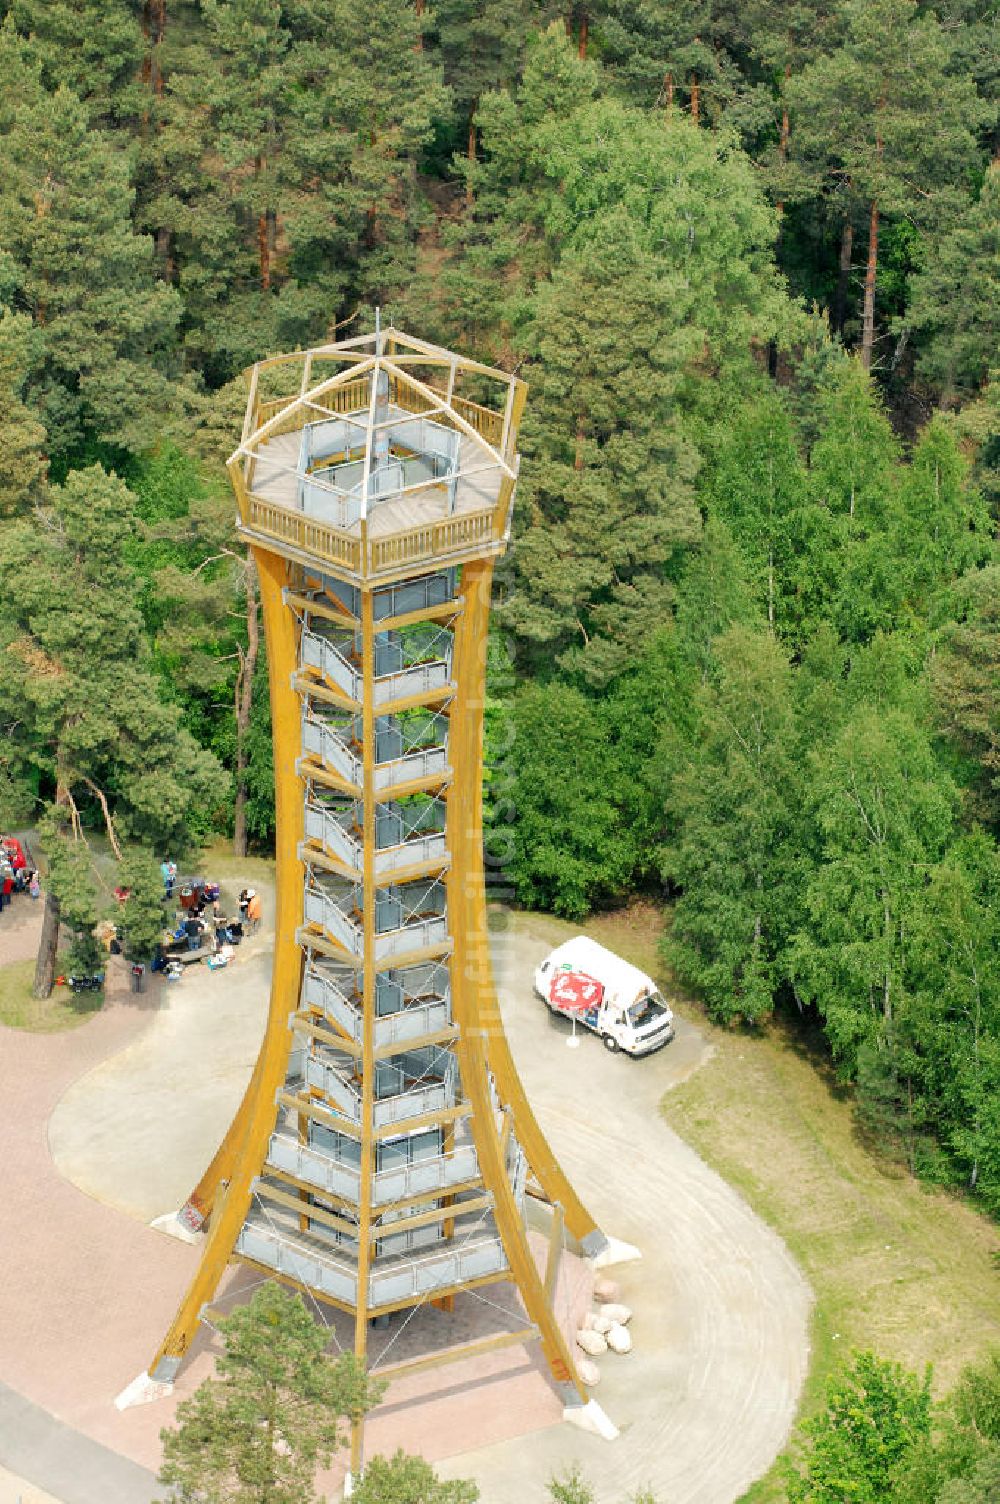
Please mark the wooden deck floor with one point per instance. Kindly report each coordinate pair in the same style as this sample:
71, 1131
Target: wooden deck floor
276, 480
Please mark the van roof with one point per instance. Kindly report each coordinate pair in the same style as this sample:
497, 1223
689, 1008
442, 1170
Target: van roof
626, 980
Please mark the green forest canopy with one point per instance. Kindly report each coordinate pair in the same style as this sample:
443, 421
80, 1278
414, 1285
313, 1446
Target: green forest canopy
748, 642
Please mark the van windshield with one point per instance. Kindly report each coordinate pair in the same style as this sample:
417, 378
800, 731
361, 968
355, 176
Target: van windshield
646, 1010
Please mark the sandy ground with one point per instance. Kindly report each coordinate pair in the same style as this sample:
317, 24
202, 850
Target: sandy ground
14, 1490
129, 1108
133, 1131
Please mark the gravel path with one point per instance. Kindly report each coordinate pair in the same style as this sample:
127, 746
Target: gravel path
707, 1398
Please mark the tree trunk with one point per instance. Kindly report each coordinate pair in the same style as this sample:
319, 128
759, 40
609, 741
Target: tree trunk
45, 966
158, 28
695, 98
263, 252
887, 980
470, 152
263, 243
584, 36
243, 707
668, 89
868, 311
843, 275
581, 436
786, 131
164, 253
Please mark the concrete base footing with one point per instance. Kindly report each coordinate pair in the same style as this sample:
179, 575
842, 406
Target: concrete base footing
171, 1224
615, 1252
142, 1391
592, 1419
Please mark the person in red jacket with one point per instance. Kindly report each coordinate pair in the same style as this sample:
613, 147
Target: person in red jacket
6, 886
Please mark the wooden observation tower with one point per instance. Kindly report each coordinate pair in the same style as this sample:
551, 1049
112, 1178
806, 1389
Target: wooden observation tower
383, 1151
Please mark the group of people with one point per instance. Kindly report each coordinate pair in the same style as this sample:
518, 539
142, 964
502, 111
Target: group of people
16, 874
199, 924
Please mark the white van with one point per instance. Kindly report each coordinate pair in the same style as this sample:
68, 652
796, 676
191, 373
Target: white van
604, 993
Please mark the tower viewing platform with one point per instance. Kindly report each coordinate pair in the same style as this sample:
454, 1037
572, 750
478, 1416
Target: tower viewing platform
377, 454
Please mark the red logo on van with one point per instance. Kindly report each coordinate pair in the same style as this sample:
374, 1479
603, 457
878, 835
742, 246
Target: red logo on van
575, 992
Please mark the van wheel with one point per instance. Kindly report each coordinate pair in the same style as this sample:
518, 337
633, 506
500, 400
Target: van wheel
610, 1044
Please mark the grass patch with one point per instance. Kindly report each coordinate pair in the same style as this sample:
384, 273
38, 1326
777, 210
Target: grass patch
63, 1010
218, 862
899, 1267
905, 1269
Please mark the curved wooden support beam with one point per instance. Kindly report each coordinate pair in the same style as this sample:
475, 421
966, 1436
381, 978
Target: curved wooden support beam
473, 997
245, 1147
547, 1169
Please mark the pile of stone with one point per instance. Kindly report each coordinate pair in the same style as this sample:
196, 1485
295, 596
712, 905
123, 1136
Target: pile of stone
604, 1329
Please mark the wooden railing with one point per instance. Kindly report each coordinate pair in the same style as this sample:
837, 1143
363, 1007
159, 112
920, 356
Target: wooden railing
482, 419
302, 532
349, 398
354, 396
430, 540
268, 410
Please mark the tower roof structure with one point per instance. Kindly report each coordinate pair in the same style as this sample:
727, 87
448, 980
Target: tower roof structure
377, 453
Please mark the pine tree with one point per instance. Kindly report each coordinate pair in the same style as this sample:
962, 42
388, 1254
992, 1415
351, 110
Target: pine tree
482, 45
675, 57
274, 1414
663, 273
730, 800
884, 125
410, 1480
93, 47
608, 472
22, 437
141, 922
77, 267
955, 296
371, 98
93, 733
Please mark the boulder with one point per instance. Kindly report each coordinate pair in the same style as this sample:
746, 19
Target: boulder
598, 1322
593, 1343
620, 1339
589, 1372
605, 1289
621, 1315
